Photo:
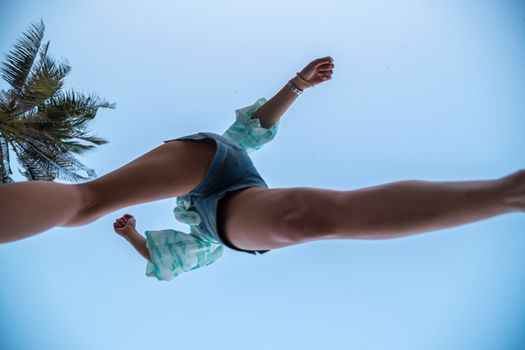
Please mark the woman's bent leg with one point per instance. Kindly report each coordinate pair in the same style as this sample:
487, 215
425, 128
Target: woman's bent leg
169, 170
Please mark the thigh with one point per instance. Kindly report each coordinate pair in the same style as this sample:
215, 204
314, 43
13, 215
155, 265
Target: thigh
260, 218
169, 170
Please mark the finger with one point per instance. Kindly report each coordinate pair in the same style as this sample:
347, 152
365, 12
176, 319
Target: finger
326, 67
320, 79
321, 61
322, 75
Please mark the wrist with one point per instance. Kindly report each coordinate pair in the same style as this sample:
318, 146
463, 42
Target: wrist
129, 234
299, 83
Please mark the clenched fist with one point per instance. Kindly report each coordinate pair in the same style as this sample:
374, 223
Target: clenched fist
124, 225
318, 70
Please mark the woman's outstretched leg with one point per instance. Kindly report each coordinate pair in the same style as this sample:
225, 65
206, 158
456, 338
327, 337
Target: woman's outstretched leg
169, 170
274, 218
411, 207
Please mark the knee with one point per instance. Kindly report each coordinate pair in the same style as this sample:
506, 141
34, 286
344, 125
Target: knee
308, 216
85, 213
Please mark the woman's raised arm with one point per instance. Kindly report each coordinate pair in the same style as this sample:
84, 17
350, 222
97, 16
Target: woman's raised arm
314, 73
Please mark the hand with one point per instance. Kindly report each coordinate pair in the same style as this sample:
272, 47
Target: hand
124, 225
318, 70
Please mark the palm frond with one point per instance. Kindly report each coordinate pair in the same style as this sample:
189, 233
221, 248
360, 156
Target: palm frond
77, 105
43, 160
61, 139
45, 80
4, 102
93, 139
63, 116
31, 173
5, 167
69, 112
7, 101
18, 62
5, 118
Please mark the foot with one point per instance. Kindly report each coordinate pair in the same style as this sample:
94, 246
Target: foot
513, 189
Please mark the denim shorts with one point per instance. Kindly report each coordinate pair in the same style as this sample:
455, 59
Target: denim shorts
231, 169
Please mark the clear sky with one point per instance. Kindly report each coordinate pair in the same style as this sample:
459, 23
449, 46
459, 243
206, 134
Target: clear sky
422, 89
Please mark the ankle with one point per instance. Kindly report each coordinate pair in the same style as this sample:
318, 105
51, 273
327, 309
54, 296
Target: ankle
511, 191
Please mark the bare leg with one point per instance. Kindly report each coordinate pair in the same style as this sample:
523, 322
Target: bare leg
36, 206
169, 170
409, 207
280, 217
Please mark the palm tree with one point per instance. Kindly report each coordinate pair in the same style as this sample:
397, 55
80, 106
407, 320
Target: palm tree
39, 120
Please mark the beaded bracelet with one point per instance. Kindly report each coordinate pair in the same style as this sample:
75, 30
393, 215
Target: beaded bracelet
304, 80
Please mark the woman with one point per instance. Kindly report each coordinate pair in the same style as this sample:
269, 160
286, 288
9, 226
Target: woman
226, 202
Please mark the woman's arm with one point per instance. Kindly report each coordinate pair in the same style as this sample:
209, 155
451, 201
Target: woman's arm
139, 243
272, 110
125, 227
314, 73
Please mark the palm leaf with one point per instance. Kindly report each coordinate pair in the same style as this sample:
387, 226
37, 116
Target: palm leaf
78, 105
7, 103
63, 117
4, 102
43, 160
68, 112
5, 168
45, 80
31, 173
18, 62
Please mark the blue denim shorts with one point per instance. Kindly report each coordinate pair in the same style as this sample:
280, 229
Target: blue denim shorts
231, 169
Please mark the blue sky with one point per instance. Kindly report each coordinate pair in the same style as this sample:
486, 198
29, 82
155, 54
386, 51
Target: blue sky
429, 90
